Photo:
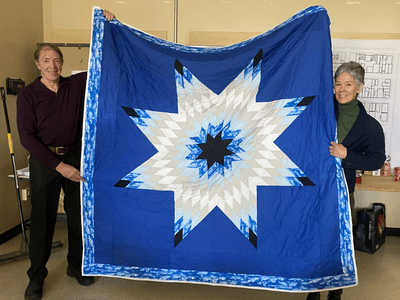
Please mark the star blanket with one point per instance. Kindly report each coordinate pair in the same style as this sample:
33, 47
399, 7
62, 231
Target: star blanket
211, 165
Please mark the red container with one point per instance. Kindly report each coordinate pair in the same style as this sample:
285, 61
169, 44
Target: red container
396, 172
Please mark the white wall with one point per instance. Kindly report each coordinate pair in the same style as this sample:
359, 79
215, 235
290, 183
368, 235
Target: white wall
364, 199
70, 20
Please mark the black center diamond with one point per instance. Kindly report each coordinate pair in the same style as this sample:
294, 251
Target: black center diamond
214, 150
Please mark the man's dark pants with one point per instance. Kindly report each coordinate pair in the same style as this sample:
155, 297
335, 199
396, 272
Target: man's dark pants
46, 184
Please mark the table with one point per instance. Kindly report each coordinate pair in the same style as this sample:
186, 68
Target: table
23, 174
378, 183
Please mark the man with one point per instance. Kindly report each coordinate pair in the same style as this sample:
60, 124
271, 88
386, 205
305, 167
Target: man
49, 119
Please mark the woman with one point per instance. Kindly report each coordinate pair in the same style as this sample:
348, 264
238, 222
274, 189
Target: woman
361, 141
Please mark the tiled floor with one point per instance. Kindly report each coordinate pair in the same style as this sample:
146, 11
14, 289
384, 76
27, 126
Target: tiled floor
379, 278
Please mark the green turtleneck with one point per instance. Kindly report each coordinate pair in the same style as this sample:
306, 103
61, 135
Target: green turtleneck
348, 114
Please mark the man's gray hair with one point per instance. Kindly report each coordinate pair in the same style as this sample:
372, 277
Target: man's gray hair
42, 46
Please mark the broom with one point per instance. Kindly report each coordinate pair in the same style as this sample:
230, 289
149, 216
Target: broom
24, 248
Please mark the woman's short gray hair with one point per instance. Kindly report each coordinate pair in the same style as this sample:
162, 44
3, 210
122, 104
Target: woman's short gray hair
354, 69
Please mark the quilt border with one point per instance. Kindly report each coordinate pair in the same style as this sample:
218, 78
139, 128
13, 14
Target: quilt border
90, 267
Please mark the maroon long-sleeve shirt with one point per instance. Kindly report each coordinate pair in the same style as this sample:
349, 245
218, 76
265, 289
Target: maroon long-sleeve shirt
46, 118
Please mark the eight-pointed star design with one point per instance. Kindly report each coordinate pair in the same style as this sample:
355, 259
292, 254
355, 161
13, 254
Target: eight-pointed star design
229, 137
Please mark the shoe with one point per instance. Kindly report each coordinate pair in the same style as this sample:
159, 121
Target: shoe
76, 273
335, 295
34, 291
314, 296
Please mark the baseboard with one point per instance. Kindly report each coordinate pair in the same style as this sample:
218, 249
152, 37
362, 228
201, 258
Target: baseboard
16, 230
61, 217
392, 231
11, 233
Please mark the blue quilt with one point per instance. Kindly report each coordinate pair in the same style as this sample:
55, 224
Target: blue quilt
211, 165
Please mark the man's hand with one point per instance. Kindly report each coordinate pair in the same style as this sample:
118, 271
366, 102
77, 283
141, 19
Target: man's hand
338, 150
69, 172
108, 15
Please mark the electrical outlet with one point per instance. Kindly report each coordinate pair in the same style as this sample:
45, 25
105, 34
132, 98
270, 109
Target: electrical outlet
25, 194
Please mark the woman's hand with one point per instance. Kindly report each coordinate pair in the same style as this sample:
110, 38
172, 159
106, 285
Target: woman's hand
338, 150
